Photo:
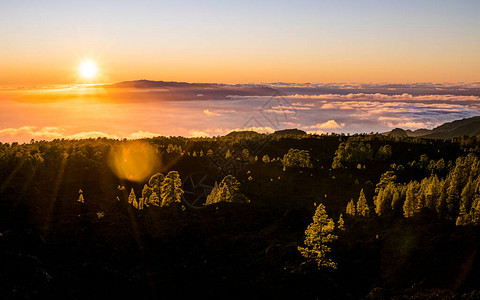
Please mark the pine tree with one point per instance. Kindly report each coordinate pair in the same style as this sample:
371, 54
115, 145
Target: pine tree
379, 201
155, 181
214, 195
410, 204
146, 191
385, 198
266, 159
153, 200
433, 192
351, 209
227, 191
81, 199
385, 179
475, 211
441, 205
296, 158
225, 195
230, 190
341, 223
132, 199
318, 236
384, 152
171, 188
142, 203
398, 198
468, 194
420, 201
362, 205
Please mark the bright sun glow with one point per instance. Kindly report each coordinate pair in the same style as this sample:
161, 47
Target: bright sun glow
88, 69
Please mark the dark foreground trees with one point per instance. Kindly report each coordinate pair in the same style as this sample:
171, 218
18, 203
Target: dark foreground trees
92, 244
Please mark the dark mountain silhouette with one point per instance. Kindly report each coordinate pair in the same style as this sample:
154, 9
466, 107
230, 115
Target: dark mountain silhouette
243, 134
467, 126
289, 132
418, 132
388, 89
398, 132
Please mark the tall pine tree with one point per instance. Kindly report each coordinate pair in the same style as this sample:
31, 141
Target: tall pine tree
318, 236
171, 188
351, 209
362, 205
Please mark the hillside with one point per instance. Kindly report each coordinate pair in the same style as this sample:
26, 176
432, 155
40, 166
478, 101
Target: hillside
467, 127
72, 225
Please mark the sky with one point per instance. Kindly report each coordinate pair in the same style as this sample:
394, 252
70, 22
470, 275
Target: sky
43, 42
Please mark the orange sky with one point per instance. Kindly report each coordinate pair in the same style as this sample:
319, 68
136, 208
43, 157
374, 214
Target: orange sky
244, 42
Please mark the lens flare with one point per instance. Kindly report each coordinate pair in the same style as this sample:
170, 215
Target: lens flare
134, 161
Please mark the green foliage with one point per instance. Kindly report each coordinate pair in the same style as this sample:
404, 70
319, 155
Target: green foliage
318, 236
132, 199
150, 193
410, 207
227, 191
296, 158
146, 193
214, 195
454, 197
385, 179
30, 172
362, 205
384, 152
166, 187
266, 159
156, 180
351, 208
341, 223
153, 200
81, 199
386, 198
246, 154
174, 149
352, 153
171, 189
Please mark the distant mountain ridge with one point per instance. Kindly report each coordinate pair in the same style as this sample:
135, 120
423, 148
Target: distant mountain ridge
467, 126
172, 90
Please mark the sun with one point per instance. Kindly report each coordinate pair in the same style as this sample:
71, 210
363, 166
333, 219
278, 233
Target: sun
88, 69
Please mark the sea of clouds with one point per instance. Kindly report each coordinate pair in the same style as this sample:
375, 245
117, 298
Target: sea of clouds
315, 108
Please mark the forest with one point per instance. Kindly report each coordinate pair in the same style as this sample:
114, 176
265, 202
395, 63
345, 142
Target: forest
246, 215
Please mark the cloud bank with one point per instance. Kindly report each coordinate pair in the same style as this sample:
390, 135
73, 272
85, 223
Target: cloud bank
346, 111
